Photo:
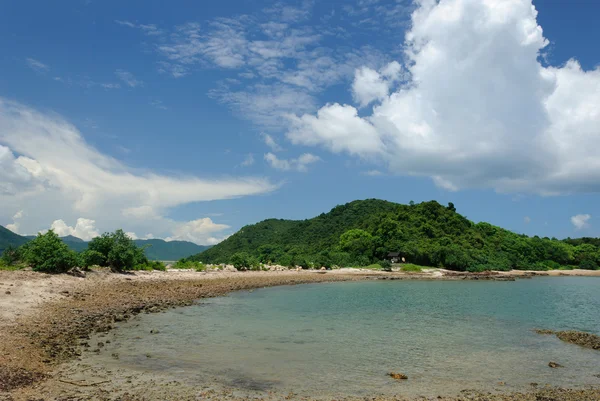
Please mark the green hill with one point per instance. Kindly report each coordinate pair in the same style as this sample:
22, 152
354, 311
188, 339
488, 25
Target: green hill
8, 238
172, 250
361, 232
157, 249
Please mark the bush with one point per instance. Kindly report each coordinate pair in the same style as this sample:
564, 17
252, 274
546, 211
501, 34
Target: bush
386, 265
48, 253
150, 265
118, 251
90, 257
239, 260
411, 268
588, 264
10, 256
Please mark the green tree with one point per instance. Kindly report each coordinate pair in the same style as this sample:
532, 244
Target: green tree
357, 242
239, 260
117, 251
48, 253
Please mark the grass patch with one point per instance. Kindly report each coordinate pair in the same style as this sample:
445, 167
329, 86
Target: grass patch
11, 267
375, 266
189, 265
409, 267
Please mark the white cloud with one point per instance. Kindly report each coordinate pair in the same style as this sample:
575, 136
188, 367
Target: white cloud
132, 235
37, 65
477, 108
249, 160
128, 78
338, 128
527, 219
370, 85
14, 226
581, 221
372, 173
270, 142
199, 231
58, 176
148, 29
300, 164
84, 229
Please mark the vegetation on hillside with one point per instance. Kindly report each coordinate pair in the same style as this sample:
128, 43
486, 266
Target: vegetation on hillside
364, 232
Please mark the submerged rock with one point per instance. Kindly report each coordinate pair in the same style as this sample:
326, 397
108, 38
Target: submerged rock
555, 365
397, 376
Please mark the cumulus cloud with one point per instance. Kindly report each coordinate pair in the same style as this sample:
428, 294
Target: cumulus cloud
58, 176
300, 164
14, 226
84, 229
201, 231
477, 108
581, 221
370, 85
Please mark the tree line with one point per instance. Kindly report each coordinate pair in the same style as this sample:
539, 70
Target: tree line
48, 253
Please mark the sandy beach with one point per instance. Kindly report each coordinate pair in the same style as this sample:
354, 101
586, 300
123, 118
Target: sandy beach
46, 320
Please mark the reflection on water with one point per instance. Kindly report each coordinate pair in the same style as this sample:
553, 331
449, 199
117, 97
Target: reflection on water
343, 338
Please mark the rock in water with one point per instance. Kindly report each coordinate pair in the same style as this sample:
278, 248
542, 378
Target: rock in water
555, 365
397, 376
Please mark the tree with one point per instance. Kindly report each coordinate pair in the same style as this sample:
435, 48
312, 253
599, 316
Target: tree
115, 250
451, 207
239, 260
357, 242
48, 253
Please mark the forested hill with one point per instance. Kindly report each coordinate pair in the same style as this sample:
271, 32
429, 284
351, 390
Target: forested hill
8, 238
362, 232
155, 249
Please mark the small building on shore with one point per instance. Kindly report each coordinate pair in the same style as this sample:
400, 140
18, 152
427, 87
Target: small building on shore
395, 257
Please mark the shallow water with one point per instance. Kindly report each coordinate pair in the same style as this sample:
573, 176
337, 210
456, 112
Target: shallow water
343, 338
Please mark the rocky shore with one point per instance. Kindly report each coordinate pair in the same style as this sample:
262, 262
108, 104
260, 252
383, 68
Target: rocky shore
63, 312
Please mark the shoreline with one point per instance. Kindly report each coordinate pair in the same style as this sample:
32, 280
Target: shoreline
63, 311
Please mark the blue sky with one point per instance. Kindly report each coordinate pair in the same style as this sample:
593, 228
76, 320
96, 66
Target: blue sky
188, 120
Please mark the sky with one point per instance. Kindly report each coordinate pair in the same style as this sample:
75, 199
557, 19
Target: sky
188, 120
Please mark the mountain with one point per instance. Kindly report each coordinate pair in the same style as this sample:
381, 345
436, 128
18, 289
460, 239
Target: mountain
428, 233
71, 238
157, 249
8, 238
172, 250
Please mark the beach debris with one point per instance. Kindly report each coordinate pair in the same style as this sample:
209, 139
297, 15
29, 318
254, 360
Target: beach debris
7, 292
154, 331
397, 376
555, 365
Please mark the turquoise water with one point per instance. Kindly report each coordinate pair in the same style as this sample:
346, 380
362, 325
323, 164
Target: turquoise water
342, 338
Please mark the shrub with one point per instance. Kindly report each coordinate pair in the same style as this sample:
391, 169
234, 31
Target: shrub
48, 253
10, 256
90, 257
118, 251
588, 264
386, 265
239, 260
150, 265
411, 268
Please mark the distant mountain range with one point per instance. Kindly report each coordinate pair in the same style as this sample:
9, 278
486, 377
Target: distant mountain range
156, 249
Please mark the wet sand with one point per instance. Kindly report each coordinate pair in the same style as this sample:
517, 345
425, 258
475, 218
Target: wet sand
46, 321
